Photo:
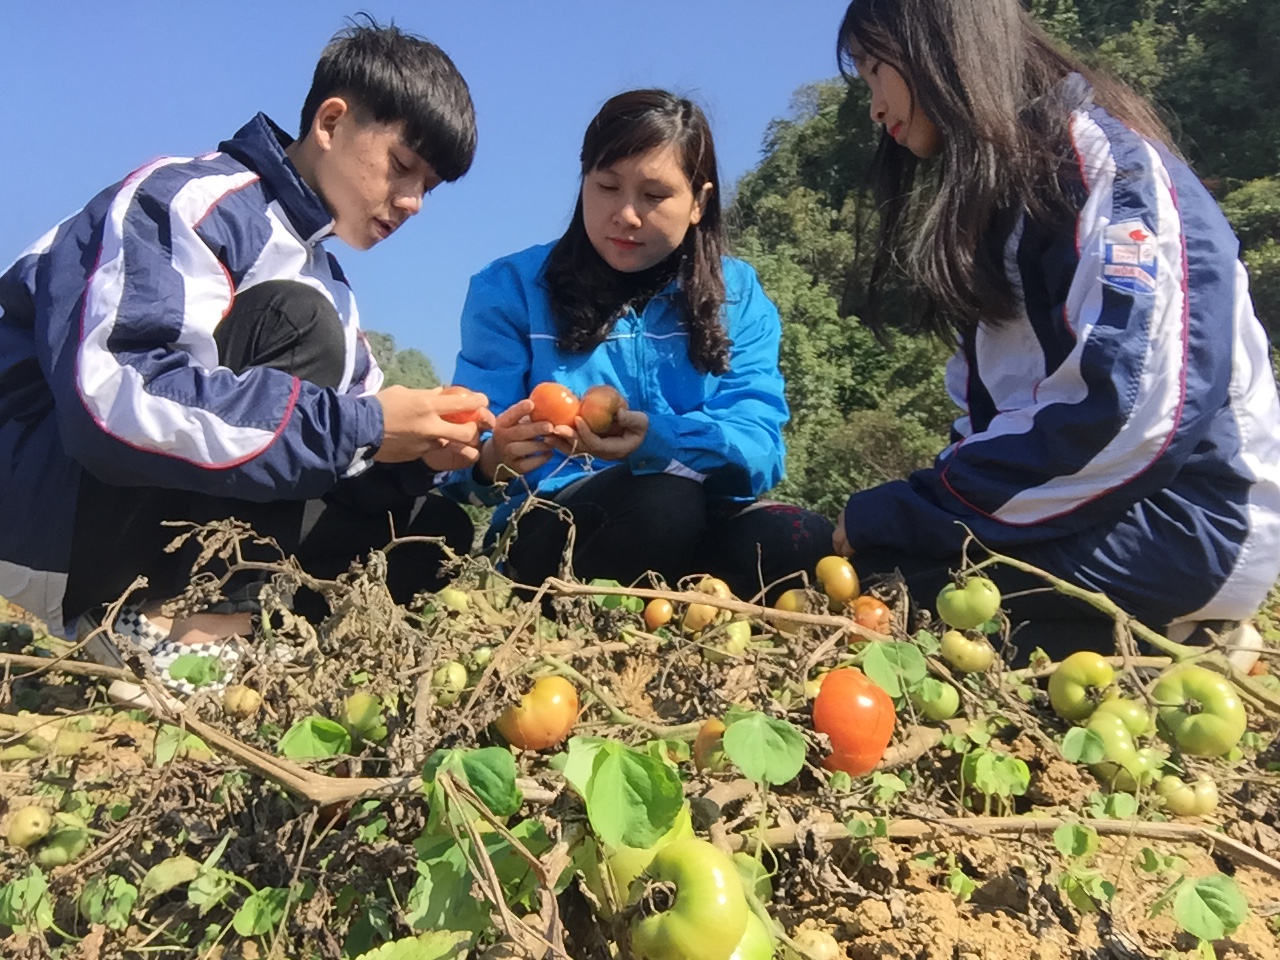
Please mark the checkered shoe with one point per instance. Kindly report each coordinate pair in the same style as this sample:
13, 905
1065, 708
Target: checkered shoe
133, 634
186, 668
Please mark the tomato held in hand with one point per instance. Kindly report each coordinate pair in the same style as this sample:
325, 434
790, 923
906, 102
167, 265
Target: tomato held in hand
462, 416
555, 403
969, 606
857, 716
1200, 709
838, 579
694, 908
599, 409
544, 718
873, 614
1077, 686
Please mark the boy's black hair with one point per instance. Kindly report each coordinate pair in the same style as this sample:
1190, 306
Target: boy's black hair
388, 76
587, 295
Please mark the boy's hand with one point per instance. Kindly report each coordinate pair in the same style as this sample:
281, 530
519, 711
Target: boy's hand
518, 445
413, 426
452, 456
632, 424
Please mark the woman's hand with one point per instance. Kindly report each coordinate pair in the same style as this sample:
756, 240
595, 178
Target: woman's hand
840, 540
518, 445
631, 424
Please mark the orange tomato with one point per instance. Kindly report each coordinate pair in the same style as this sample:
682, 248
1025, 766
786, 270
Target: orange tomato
554, 403
872, 613
857, 716
461, 416
657, 613
708, 748
600, 405
544, 718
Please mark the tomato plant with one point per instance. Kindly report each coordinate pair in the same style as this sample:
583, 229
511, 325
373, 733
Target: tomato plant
1077, 686
857, 716
966, 655
1188, 799
968, 606
461, 416
695, 906
1200, 709
838, 579
599, 408
554, 403
657, 613
544, 718
872, 613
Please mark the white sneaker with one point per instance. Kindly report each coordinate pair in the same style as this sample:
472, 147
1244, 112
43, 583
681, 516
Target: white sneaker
1240, 638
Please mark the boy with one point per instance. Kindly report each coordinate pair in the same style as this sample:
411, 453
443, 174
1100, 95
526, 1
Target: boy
184, 348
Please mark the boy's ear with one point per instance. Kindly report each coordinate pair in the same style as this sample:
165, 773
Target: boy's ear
700, 203
325, 123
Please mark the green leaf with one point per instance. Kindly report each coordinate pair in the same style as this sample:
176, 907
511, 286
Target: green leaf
1075, 840
578, 763
631, 798
441, 899
26, 903
615, 601
167, 874
489, 771
314, 737
174, 743
1210, 907
198, 669
765, 749
436, 945
1121, 806
262, 912
108, 900
1082, 745
894, 666
210, 888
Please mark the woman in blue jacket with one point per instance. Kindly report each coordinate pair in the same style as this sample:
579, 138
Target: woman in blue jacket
1119, 423
637, 295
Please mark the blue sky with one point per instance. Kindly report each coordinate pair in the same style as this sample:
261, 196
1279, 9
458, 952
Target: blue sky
94, 89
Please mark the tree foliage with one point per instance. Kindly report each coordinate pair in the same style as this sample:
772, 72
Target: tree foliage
405, 368
865, 411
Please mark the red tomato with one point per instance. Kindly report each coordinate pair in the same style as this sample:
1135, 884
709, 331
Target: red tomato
544, 718
872, 613
554, 403
600, 405
462, 416
858, 717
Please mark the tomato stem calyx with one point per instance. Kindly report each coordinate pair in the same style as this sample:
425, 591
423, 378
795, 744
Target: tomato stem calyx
659, 897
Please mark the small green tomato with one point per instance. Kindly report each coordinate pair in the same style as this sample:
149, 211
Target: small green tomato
448, 682
1188, 799
28, 825
1077, 686
965, 655
969, 606
453, 598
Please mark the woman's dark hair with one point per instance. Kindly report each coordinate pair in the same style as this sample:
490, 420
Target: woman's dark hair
587, 295
991, 80
389, 76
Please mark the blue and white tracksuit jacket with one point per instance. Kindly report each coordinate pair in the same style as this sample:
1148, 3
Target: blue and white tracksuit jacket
108, 361
723, 431
1123, 432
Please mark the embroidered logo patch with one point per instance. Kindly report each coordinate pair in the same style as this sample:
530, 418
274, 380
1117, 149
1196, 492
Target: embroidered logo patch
1129, 257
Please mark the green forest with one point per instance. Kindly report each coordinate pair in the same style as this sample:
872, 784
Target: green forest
864, 412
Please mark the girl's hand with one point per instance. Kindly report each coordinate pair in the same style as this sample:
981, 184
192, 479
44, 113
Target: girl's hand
633, 426
518, 444
840, 540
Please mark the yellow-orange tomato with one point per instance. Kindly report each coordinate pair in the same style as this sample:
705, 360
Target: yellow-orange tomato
544, 718
872, 613
600, 405
555, 403
461, 416
838, 578
708, 748
657, 613
715, 587
794, 600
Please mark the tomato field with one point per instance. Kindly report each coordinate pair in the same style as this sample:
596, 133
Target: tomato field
649, 771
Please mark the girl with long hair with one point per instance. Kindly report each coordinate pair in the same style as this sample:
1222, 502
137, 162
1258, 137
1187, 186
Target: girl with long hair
637, 295
1118, 411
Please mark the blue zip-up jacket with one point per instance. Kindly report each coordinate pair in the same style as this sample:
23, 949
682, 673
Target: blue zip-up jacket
1124, 431
108, 361
724, 431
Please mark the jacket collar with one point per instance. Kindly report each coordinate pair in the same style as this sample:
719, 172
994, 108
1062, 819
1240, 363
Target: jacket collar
260, 146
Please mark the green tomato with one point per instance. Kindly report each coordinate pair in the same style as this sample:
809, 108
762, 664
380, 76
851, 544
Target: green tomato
1075, 688
757, 941
481, 656
943, 707
28, 825
1135, 715
362, 716
732, 642
694, 906
1200, 709
1188, 799
965, 655
453, 598
448, 682
1124, 767
625, 864
755, 875
62, 846
816, 944
969, 606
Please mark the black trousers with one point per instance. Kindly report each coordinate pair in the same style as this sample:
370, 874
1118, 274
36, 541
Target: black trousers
625, 525
119, 531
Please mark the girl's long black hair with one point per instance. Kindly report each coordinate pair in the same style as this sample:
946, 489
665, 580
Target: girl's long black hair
986, 74
587, 295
